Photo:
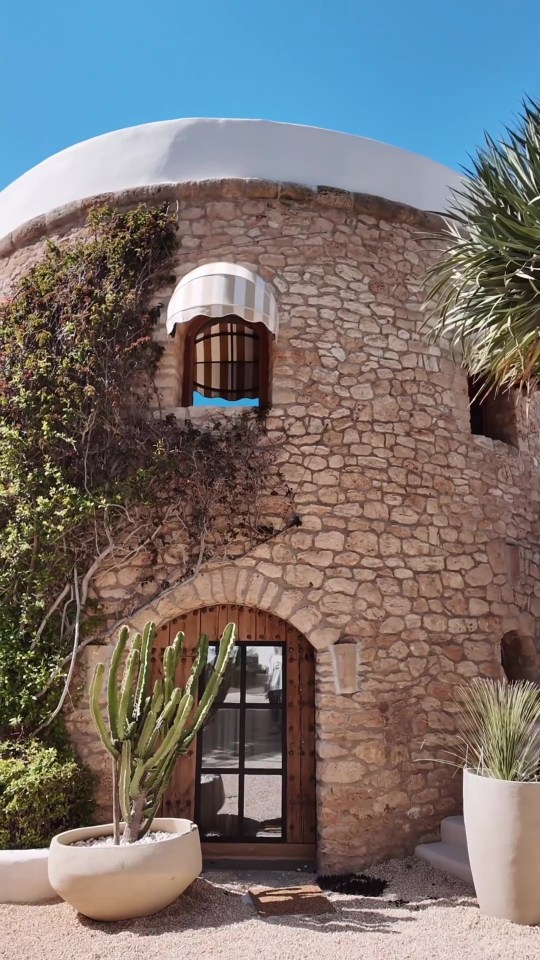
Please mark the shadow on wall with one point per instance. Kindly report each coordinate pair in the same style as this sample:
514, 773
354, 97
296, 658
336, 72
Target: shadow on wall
520, 657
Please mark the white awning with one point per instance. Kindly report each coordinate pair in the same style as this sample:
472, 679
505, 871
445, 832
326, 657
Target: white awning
217, 290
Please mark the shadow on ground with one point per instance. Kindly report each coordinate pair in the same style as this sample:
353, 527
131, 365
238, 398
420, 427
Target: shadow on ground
213, 902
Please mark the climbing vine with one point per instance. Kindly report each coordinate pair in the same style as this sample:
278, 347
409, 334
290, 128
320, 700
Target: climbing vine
90, 473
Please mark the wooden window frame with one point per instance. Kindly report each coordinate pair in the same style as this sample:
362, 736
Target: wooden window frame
264, 336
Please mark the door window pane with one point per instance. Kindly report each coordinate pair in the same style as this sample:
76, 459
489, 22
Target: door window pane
264, 674
262, 806
264, 743
220, 739
229, 690
241, 756
219, 805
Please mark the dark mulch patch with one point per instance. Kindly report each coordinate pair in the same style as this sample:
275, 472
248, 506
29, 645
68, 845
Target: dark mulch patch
355, 884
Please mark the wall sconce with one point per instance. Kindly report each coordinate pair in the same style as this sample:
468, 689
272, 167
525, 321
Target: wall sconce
344, 654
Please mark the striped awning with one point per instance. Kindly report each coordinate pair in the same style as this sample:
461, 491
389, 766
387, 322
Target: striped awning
220, 289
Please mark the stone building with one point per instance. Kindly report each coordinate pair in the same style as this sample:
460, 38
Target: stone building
414, 566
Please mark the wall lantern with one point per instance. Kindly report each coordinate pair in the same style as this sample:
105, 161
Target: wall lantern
344, 654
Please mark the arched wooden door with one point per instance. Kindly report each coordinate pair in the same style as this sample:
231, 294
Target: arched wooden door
249, 781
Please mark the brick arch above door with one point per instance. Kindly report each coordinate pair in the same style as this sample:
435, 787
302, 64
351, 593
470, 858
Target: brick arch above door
235, 584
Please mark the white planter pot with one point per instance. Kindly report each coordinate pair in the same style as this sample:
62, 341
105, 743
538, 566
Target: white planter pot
24, 877
502, 822
119, 883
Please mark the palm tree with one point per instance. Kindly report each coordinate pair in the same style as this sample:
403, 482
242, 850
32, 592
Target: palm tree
485, 288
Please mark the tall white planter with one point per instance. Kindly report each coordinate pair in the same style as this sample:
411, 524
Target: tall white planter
502, 822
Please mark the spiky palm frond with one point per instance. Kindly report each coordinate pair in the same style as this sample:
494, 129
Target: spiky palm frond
498, 733
485, 288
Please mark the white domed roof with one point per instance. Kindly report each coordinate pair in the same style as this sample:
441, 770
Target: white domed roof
177, 151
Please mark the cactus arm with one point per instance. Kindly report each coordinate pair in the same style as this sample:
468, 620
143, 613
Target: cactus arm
156, 775
178, 645
151, 812
171, 739
156, 702
99, 723
169, 670
212, 687
125, 775
135, 785
144, 669
169, 711
126, 691
131, 729
112, 683
199, 664
146, 735
136, 643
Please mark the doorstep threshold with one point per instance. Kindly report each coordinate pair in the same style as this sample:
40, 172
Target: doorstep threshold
211, 864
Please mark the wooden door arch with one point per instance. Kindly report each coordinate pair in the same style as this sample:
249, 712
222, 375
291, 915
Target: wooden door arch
298, 829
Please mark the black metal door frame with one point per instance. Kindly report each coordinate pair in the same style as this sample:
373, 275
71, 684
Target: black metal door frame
240, 770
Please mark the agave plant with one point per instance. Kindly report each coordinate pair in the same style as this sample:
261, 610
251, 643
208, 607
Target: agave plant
499, 729
485, 288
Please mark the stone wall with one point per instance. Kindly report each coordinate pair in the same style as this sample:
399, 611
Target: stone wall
417, 538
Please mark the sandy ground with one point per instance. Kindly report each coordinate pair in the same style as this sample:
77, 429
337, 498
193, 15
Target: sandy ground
438, 920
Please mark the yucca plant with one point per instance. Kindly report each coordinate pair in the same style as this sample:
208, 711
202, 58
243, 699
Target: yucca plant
485, 287
150, 723
498, 733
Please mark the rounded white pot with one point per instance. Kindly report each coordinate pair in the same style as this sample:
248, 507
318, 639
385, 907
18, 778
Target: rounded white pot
24, 876
502, 822
119, 883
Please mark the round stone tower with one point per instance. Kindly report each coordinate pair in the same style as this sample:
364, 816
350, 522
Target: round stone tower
414, 563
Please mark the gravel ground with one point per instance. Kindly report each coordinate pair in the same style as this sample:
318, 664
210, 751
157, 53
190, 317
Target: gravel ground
422, 915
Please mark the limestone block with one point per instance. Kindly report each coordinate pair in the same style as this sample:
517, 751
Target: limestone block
341, 771
366, 543
479, 576
302, 575
330, 540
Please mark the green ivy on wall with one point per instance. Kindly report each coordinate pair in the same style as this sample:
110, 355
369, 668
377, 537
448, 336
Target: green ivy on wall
76, 360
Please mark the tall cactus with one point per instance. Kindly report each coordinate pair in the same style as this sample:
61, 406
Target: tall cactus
148, 726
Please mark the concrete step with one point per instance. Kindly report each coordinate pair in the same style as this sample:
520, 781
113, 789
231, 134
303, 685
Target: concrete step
447, 857
453, 831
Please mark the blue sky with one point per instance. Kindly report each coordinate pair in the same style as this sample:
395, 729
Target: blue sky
422, 74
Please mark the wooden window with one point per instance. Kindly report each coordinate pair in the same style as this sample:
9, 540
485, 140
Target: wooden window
227, 360
492, 413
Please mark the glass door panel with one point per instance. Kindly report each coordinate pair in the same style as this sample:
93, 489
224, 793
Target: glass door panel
264, 668
219, 804
229, 691
263, 739
263, 800
241, 755
221, 740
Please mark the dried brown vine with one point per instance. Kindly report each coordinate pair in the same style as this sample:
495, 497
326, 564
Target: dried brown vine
91, 478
